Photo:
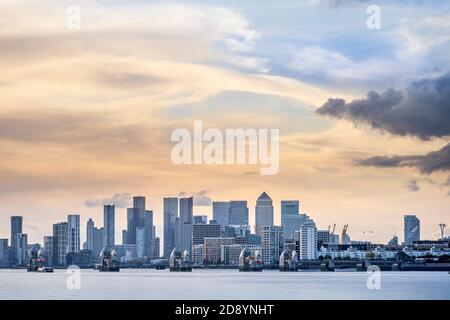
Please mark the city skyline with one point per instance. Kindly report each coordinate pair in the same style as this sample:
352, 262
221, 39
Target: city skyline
87, 111
75, 222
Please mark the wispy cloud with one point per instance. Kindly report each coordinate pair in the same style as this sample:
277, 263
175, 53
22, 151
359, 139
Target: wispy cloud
120, 200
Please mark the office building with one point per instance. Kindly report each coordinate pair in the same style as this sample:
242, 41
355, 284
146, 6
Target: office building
4, 252
197, 254
263, 212
149, 235
292, 223
200, 219
124, 237
139, 204
48, 247
184, 237
186, 210
155, 248
22, 248
90, 234
221, 212
73, 229
16, 228
140, 242
323, 238
212, 249
132, 224
272, 241
109, 225
98, 243
411, 229
238, 213
202, 231
60, 243
170, 208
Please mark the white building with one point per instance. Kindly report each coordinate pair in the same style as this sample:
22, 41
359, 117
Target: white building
272, 242
307, 238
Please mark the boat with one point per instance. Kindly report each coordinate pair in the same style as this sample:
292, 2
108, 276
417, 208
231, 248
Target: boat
45, 269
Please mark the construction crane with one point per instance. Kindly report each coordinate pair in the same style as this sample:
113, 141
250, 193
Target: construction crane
344, 236
442, 226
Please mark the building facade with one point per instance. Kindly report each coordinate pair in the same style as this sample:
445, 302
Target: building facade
109, 213
411, 229
73, 237
306, 237
202, 231
221, 212
60, 243
272, 242
263, 212
170, 208
238, 213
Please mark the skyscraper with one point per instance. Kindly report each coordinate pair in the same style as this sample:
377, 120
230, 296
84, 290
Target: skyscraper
185, 237
90, 234
48, 247
289, 207
109, 225
148, 226
73, 229
170, 216
139, 204
263, 211
306, 237
98, 242
16, 228
202, 231
411, 229
221, 212
185, 221
21, 249
4, 257
60, 243
140, 242
132, 224
272, 241
238, 213
124, 237
186, 210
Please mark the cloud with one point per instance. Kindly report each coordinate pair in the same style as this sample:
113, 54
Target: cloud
120, 200
433, 161
422, 110
413, 185
201, 198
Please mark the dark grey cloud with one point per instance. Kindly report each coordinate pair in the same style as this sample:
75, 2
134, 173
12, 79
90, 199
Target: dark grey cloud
201, 198
433, 161
413, 185
421, 110
120, 200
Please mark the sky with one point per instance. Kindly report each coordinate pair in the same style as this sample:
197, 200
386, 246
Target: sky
86, 113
